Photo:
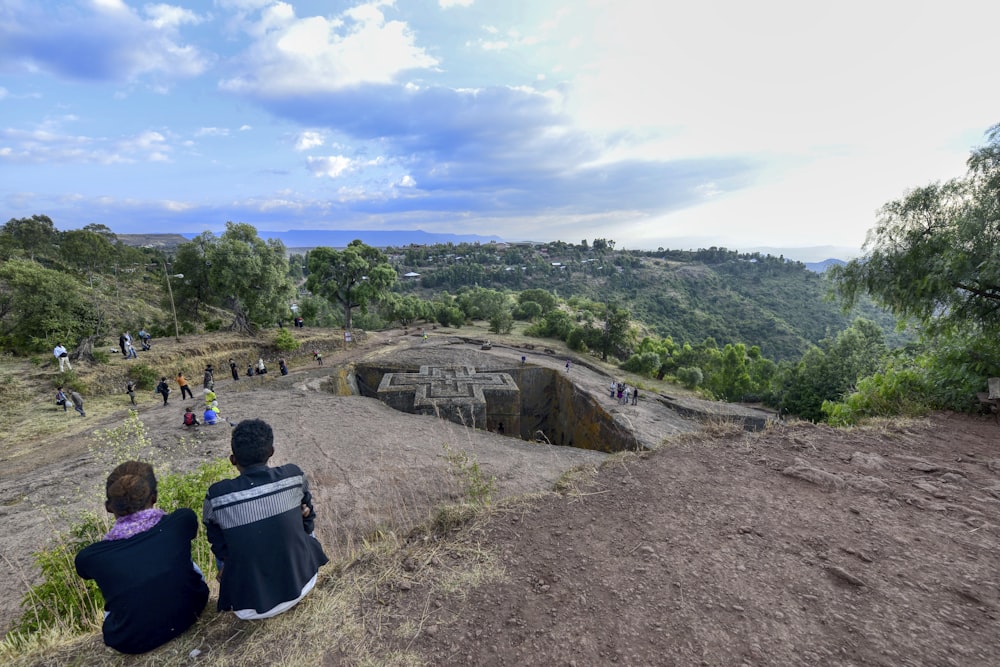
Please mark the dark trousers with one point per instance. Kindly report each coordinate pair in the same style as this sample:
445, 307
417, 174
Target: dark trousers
186, 391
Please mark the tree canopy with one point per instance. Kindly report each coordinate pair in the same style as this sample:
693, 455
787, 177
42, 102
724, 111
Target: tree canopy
252, 276
934, 255
352, 277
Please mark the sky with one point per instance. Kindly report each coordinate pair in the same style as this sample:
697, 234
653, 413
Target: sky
653, 123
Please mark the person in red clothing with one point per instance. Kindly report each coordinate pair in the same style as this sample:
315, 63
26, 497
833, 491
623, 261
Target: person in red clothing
152, 589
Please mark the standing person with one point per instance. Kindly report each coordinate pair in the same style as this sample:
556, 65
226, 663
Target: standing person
164, 389
614, 385
130, 390
183, 384
130, 349
152, 589
260, 526
568, 364
77, 402
318, 356
61, 398
232, 369
208, 381
63, 356
635, 396
282, 366
628, 394
121, 344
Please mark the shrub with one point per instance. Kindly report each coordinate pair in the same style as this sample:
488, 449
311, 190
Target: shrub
144, 376
285, 341
101, 356
690, 376
477, 488
213, 324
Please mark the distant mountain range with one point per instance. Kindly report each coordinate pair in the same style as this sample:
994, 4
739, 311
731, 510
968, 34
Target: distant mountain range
817, 258
821, 267
340, 238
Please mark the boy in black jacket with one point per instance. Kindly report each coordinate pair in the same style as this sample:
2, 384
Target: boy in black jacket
260, 525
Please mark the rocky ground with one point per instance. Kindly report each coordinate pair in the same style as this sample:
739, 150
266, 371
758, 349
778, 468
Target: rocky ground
798, 545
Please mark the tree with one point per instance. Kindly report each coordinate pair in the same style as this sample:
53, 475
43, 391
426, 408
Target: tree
39, 307
934, 255
192, 259
618, 337
87, 250
251, 275
34, 235
352, 277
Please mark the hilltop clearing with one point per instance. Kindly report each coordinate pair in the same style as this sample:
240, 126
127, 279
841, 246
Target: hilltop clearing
799, 545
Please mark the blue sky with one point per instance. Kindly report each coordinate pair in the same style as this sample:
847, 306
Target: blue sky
651, 122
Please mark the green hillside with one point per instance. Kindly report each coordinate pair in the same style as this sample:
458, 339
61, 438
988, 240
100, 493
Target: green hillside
767, 301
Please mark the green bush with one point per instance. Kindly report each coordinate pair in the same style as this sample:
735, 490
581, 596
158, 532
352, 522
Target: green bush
690, 376
101, 356
213, 325
144, 376
285, 341
886, 394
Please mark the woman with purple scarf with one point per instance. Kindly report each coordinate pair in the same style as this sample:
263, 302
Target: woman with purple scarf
152, 590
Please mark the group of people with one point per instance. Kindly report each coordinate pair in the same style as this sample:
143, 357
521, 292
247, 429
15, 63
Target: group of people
259, 368
126, 346
260, 525
64, 400
624, 393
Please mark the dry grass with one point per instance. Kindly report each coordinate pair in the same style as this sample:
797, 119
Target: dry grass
347, 619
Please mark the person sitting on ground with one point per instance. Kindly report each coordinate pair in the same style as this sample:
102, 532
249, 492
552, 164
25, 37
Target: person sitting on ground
211, 401
190, 418
210, 416
260, 526
261, 368
145, 338
152, 590
282, 366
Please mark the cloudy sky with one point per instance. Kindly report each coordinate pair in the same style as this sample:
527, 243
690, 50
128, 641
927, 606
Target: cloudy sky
651, 122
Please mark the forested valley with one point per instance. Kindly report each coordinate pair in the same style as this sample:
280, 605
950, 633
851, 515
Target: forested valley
732, 326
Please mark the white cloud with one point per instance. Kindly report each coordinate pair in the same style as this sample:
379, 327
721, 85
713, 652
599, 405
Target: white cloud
331, 166
407, 182
245, 128
170, 16
308, 140
319, 54
447, 4
212, 132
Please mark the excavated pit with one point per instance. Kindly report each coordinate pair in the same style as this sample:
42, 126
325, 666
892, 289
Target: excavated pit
526, 402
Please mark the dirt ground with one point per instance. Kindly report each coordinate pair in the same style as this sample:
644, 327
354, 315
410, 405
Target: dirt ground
800, 545
803, 545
